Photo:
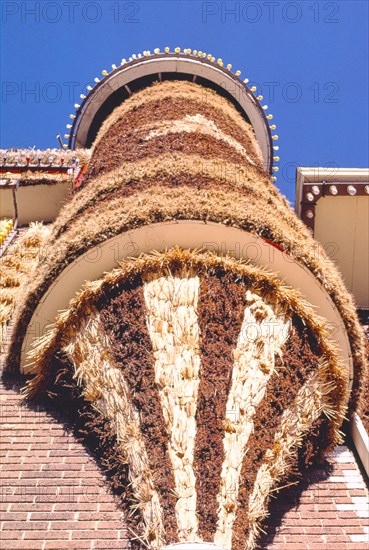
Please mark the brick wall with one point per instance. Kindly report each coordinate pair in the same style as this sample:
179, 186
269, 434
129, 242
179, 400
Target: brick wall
330, 509
53, 494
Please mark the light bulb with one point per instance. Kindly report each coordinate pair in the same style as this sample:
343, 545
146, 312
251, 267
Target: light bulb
351, 190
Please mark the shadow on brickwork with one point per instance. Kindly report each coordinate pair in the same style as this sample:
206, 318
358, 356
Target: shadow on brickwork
289, 499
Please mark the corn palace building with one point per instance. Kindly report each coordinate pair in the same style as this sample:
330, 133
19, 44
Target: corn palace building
184, 356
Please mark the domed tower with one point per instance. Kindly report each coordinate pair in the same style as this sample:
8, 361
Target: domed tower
198, 330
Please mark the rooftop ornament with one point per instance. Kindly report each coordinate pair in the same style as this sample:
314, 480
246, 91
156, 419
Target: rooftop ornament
84, 116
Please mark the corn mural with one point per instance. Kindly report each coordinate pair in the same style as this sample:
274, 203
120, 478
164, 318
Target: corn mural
203, 379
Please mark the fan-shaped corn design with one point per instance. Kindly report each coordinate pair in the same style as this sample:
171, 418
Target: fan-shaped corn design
180, 374
203, 378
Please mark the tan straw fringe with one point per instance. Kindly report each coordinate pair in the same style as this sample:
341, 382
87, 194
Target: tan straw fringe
16, 267
312, 400
105, 387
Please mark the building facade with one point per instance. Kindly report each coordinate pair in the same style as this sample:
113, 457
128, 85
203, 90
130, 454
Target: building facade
192, 363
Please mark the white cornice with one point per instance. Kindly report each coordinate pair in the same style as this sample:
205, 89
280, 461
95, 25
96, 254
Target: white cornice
317, 174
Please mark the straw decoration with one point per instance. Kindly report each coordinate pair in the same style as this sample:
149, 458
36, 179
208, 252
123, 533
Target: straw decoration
313, 400
171, 285
16, 267
194, 123
178, 151
201, 379
262, 336
105, 387
171, 304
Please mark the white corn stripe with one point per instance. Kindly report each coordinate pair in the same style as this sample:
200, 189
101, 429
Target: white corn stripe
105, 386
195, 123
171, 304
262, 336
296, 421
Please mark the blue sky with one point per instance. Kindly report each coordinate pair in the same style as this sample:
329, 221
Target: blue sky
308, 58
